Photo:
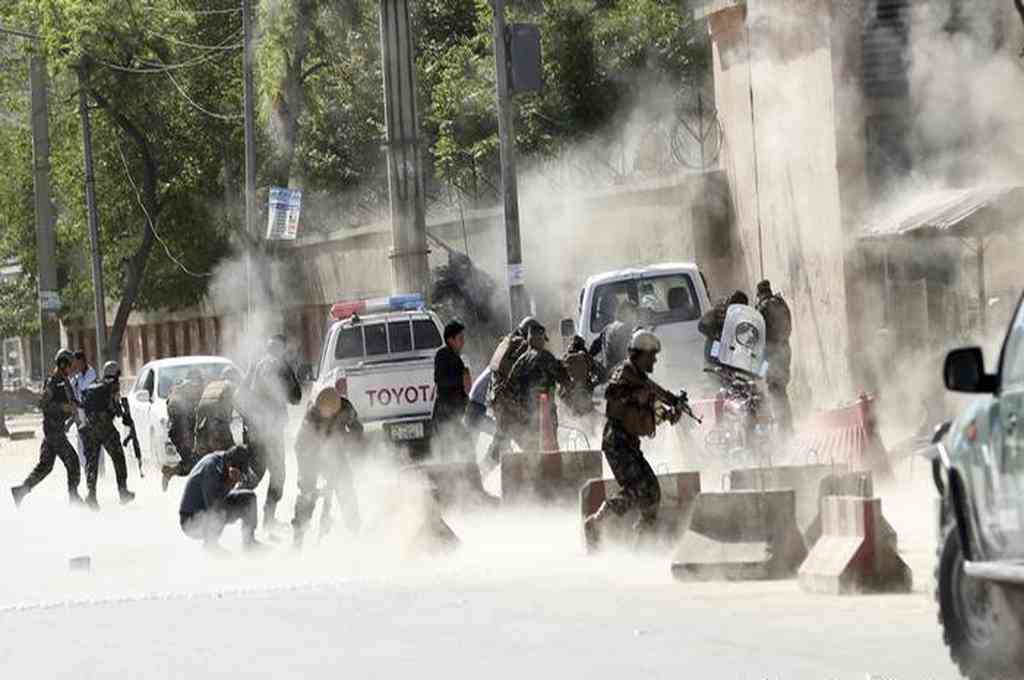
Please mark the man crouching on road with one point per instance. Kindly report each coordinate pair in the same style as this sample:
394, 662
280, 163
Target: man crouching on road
212, 500
632, 402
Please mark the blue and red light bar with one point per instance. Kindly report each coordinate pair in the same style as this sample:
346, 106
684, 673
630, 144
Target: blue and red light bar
405, 302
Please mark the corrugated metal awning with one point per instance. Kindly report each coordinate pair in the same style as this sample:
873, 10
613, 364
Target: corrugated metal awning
945, 212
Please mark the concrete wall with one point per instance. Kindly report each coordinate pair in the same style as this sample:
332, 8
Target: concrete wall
774, 86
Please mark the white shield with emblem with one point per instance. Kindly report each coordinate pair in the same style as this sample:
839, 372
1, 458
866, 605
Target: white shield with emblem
742, 343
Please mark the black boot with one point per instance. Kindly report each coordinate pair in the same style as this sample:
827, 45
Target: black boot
91, 501
126, 496
19, 492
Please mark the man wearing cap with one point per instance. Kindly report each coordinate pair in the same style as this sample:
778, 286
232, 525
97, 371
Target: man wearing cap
329, 429
450, 379
212, 499
273, 385
102, 404
778, 325
58, 406
181, 424
633, 411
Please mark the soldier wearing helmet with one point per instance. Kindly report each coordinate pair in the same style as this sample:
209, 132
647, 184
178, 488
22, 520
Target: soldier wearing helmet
214, 412
535, 376
181, 424
632, 405
330, 428
102, 404
58, 406
501, 396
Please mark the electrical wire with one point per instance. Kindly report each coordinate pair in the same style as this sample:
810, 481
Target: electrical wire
152, 226
195, 12
191, 45
150, 67
198, 107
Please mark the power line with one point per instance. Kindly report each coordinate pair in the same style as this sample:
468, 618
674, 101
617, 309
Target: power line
195, 46
152, 225
150, 67
195, 12
195, 105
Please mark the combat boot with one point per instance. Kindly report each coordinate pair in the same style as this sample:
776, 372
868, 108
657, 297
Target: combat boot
74, 498
91, 501
126, 496
19, 492
592, 528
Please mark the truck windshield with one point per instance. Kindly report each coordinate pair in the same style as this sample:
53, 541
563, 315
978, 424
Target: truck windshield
394, 337
671, 298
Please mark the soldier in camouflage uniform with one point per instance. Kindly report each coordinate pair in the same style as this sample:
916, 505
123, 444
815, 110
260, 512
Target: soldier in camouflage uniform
633, 401
181, 424
213, 414
585, 374
102, 404
57, 405
535, 374
500, 396
331, 426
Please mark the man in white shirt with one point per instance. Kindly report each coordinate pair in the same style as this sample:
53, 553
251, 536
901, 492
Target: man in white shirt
83, 375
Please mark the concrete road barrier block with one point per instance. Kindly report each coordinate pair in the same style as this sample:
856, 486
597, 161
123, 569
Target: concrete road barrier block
805, 480
549, 478
679, 492
741, 535
854, 553
457, 484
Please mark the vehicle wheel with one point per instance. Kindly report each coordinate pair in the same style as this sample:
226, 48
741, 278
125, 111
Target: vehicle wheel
967, 614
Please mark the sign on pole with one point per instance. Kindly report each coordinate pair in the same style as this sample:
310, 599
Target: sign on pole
283, 223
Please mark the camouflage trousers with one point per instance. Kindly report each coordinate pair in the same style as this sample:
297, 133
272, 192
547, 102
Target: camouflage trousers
640, 490
105, 437
56, 445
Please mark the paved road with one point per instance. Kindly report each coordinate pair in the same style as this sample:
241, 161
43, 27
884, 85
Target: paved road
519, 600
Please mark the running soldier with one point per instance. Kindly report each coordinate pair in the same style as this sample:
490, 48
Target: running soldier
181, 425
585, 374
500, 396
216, 407
58, 406
778, 325
634, 404
102, 403
273, 385
533, 380
331, 427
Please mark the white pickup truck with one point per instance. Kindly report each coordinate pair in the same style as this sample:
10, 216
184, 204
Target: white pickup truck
671, 296
383, 350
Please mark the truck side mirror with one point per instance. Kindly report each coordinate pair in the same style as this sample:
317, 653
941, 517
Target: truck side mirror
964, 371
568, 328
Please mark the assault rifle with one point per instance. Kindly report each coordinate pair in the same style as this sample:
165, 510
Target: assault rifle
679, 403
129, 422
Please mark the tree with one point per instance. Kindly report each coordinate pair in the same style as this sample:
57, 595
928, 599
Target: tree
17, 319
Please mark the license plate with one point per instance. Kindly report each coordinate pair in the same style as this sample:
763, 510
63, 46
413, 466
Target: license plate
406, 431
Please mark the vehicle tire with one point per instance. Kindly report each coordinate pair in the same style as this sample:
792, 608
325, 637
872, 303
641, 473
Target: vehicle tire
967, 614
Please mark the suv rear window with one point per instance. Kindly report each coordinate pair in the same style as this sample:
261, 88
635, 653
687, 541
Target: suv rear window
660, 300
376, 339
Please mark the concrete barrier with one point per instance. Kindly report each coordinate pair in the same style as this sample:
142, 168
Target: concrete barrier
854, 484
805, 480
679, 491
550, 478
740, 535
853, 553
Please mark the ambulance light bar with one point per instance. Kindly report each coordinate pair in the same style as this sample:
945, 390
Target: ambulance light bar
406, 302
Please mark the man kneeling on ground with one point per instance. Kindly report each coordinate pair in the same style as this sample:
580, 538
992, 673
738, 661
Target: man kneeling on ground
212, 499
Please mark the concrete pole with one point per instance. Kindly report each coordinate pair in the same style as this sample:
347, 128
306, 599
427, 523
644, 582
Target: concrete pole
249, 106
46, 242
99, 299
982, 291
410, 268
519, 304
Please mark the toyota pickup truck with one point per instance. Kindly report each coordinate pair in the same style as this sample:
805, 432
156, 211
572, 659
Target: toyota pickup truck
381, 353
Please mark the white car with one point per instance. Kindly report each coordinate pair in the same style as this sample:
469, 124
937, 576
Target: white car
147, 399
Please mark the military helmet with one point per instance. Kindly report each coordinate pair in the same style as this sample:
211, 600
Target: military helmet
529, 323
63, 356
111, 369
327, 403
644, 341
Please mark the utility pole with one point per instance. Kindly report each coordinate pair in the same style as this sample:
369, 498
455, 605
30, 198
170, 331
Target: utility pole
519, 304
251, 233
46, 241
99, 299
409, 265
